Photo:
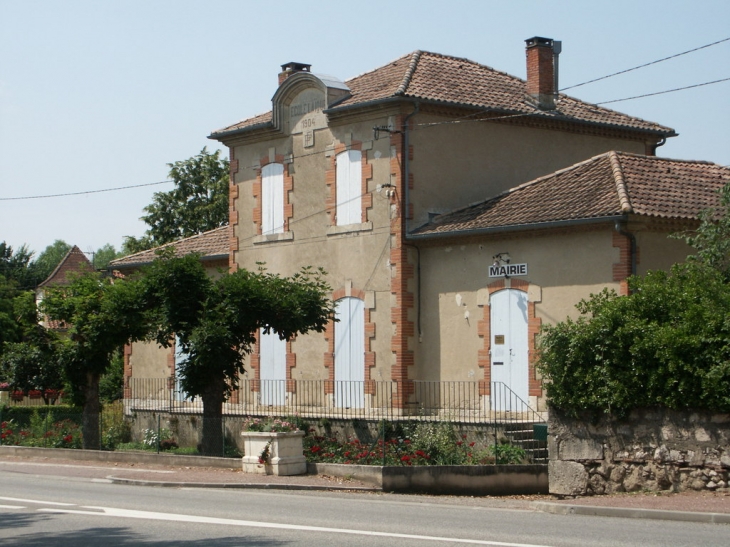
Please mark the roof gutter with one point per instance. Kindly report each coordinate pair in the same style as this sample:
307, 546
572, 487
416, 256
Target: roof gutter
517, 228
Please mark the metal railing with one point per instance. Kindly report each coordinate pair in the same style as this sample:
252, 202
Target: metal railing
458, 402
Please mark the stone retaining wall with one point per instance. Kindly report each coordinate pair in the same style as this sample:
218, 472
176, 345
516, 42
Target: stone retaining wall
651, 449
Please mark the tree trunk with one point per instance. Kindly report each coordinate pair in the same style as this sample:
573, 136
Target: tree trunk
90, 426
212, 443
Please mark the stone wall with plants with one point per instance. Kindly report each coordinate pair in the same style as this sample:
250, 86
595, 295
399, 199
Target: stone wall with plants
647, 450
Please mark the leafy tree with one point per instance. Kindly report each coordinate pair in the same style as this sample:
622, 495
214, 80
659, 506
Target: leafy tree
50, 258
216, 320
16, 266
666, 344
34, 366
198, 203
712, 238
103, 314
104, 255
111, 383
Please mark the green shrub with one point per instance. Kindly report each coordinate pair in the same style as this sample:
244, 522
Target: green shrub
666, 344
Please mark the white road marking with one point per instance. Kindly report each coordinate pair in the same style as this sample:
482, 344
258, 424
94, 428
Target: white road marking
23, 500
149, 515
12, 507
115, 468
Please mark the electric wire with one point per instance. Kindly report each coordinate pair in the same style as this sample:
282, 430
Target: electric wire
646, 64
89, 191
663, 92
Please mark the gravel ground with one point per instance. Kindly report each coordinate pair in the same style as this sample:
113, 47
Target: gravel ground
710, 502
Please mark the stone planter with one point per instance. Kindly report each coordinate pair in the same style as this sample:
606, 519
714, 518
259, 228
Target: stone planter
286, 453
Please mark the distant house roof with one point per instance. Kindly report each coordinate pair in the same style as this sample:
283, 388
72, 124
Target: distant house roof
74, 262
605, 186
442, 79
212, 245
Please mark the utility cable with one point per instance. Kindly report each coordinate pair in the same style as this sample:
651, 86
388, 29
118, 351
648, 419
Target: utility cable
646, 64
88, 191
662, 92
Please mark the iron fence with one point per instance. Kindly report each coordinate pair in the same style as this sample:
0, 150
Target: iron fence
458, 402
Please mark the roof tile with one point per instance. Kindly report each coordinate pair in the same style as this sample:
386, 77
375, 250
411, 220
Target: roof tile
607, 185
457, 81
212, 243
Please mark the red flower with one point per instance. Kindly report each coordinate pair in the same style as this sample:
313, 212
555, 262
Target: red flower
472, 444
407, 441
315, 449
68, 439
347, 454
459, 443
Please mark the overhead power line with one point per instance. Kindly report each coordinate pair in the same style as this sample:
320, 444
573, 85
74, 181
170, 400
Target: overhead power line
647, 64
662, 92
88, 191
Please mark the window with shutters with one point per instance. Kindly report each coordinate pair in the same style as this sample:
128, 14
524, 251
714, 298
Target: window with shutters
349, 187
272, 199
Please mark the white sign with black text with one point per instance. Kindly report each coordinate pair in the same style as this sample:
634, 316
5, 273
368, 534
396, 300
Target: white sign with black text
507, 270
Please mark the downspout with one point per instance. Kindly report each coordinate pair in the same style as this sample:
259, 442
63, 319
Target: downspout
632, 246
406, 194
661, 142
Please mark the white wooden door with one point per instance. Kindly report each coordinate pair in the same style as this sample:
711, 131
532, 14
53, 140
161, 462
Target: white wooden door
272, 369
509, 360
350, 353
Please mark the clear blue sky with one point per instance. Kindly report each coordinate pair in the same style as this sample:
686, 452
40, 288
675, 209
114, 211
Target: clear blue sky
102, 94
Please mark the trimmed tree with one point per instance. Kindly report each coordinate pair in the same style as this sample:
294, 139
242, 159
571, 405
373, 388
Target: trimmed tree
215, 321
102, 315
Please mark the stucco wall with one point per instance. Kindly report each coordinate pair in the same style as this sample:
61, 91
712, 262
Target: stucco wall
457, 164
652, 449
150, 360
563, 268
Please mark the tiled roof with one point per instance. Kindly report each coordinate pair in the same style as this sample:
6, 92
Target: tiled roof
211, 244
608, 185
436, 78
74, 262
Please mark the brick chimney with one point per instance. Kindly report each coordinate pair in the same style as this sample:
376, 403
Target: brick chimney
542, 70
292, 68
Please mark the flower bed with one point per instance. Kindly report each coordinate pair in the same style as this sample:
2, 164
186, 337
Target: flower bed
421, 444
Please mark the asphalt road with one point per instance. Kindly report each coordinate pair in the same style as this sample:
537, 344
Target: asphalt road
60, 511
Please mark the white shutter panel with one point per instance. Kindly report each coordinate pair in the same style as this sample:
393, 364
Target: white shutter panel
349, 182
272, 368
272, 199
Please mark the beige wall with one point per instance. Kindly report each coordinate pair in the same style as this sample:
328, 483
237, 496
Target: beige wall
563, 267
458, 164
150, 360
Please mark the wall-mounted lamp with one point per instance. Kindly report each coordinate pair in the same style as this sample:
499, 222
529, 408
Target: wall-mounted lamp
501, 258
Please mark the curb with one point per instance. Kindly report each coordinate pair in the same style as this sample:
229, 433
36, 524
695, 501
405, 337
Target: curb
250, 486
625, 512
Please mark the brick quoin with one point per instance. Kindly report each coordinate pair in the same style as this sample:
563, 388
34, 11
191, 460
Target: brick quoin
127, 371
533, 328
232, 212
403, 271
622, 268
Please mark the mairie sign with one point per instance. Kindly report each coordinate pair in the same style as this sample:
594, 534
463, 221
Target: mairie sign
507, 270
